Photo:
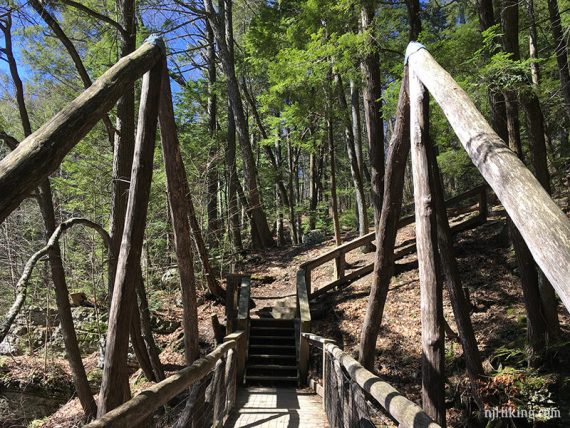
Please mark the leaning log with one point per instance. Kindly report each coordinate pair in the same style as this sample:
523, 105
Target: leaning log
177, 187
542, 224
41, 153
115, 385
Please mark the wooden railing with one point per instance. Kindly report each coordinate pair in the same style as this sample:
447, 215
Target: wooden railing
345, 386
224, 361
339, 253
543, 225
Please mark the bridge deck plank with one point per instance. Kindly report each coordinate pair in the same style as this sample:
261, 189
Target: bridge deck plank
277, 407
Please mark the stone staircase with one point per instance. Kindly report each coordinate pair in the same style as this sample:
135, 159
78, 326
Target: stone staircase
272, 355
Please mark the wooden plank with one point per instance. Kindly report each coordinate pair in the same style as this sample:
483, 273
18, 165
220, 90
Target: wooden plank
40, 154
143, 405
543, 225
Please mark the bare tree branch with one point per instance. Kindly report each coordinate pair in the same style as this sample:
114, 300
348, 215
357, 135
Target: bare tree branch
96, 15
22, 285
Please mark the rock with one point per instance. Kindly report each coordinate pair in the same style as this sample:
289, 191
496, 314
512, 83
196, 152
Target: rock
313, 237
162, 326
170, 278
7, 348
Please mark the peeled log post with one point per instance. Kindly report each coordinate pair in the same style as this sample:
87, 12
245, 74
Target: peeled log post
433, 363
548, 234
177, 187
115, 374
41, 153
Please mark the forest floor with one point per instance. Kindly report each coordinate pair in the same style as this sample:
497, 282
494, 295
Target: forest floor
488, 270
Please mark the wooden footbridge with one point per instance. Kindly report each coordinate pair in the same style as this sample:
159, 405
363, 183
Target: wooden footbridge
223, 388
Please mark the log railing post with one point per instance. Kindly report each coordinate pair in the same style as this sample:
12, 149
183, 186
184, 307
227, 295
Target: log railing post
232, 287
340, 264
240, 352
433, 388
231, 380
219, 392
308, 281
305, 327
326, 383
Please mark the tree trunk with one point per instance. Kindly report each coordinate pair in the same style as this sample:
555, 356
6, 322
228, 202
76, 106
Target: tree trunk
146, 330
353, 158
451, 271
212, 175
232, 179
225, 45
536, 327
533, 43
45, 201
115, 375
536, 136
334, 199
180, 207
372, 95
124, 140
292, 172
561, 53
357, 130
387, 227
313, 191
433, 361
270, 155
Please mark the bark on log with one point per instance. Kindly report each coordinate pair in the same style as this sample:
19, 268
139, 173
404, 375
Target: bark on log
451, 272
115, 375
146, 330
387, 227
42, 152
178, 196
433, 362
548, 235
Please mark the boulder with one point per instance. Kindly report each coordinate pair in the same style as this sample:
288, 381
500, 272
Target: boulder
314, 237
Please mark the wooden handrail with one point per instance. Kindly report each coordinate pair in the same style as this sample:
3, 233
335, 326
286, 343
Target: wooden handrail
339, 252
140, 407
40, 154
344, 248
543, 225
403, 410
